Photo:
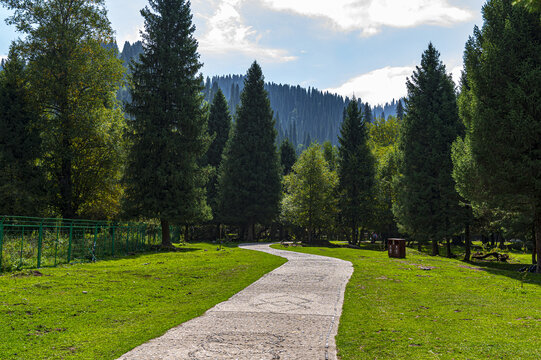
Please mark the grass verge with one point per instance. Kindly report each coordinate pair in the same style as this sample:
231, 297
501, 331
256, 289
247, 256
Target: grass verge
104, 309
426, 307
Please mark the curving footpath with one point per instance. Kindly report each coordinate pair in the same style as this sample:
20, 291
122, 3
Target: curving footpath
290, 313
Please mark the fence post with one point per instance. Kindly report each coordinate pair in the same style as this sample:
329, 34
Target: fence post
69, 243
22, 248
113, 242
56, 244
1, 243
94, 244
127, 237
40, 243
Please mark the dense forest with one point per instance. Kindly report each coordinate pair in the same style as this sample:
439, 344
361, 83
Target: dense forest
205, 153
302, 115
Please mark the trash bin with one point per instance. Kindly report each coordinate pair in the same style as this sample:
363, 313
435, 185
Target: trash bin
397, 248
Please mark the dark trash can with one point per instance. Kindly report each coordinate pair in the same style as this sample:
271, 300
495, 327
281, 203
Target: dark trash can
397, 248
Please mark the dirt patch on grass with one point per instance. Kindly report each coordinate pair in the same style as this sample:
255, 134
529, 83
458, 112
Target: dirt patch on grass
471, 268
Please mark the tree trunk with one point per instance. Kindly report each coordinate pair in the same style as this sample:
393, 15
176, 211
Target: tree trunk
435, 249
250, 234
66, 186
534, 261
448, 244
537, 220
419, 246
492, 241
468, 243
218, 233
502, 241
166, 235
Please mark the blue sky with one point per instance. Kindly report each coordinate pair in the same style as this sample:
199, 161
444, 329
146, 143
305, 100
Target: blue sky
361, 47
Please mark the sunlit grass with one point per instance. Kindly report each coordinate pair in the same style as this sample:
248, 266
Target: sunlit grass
104, 309
425, 307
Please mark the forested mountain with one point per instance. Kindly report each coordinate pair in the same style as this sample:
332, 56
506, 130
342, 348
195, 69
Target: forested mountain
302, 115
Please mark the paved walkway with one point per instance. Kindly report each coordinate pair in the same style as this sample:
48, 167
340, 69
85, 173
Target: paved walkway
290, 313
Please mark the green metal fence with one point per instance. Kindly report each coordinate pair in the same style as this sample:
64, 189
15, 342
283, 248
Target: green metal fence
27, 242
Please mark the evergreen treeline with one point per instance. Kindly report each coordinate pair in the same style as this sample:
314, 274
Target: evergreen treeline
302, 115
449, 164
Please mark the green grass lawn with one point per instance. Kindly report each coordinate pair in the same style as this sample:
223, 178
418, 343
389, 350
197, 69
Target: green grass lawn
102, 310
425, 307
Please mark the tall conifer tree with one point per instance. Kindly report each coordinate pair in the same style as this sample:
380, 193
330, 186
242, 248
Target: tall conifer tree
164, 179
356, 172
428, 204
399, 110
501, 108
249, 184
219, 127
287, 156
21, 179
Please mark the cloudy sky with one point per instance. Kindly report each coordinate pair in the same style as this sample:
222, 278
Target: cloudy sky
361, 47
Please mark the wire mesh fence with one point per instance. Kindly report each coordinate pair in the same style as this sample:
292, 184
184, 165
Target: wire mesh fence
27, 242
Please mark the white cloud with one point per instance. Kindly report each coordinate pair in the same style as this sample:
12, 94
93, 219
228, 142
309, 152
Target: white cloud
227, 33
369, 16
378, 86
456, 73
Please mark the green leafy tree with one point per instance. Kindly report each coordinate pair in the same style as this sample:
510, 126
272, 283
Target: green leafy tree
288, 156
21, 178
355, 172
383, 144
169, 132
219, 127
500, 108
74, 80
250, 180
427, 202
309, 200
331, 155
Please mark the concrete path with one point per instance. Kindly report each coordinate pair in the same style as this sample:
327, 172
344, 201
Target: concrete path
290, 313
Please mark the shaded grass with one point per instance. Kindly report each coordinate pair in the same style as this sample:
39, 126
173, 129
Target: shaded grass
394, 309
104, 309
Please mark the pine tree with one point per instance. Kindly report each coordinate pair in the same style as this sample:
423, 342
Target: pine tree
428, 204
500, 107
21, 179
249, 183
367, 113
399, 110
355, 172
163, 176
219, 127
331, 155
287, 156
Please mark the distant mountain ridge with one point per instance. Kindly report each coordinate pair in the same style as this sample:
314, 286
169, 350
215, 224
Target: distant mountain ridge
302, 115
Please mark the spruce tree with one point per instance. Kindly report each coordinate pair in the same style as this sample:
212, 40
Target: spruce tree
355, 172
164, 179
399, 110
21, 179
500, 107
367, 113
249, 183
287, 156
428, 204
219, 126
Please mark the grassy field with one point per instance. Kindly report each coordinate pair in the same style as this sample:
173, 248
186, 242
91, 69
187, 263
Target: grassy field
102, 310
425, 307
